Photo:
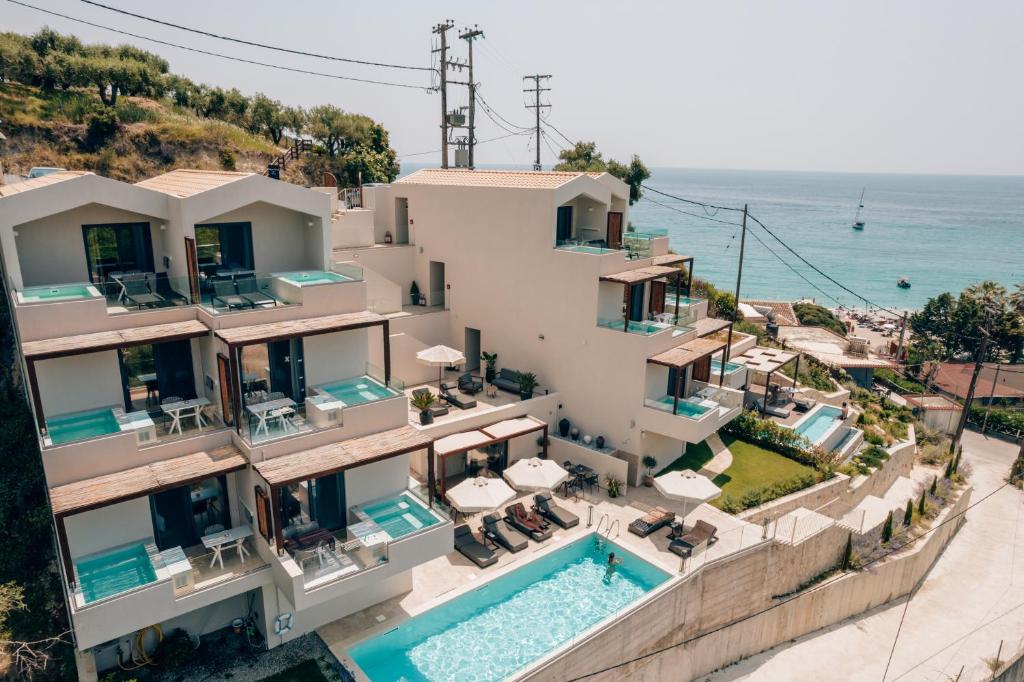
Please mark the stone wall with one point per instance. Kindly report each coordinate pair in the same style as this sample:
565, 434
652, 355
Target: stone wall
729, 605
809, 498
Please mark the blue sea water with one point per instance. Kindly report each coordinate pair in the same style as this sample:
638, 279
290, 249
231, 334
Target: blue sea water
943, 232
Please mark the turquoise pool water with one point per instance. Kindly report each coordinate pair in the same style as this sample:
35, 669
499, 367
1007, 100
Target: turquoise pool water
730, 367
400, 516
60, 292
814, 426
582, 248
644, 328
120, 570
686, 408
505, 625
670, 300
65, 428
358, 390
313, 277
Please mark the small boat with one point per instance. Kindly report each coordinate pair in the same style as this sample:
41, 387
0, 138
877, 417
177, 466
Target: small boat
858, 224
903, 282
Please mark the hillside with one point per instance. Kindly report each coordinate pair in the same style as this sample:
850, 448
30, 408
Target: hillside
147, 137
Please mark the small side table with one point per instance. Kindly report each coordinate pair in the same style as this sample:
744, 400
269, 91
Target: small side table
491, 391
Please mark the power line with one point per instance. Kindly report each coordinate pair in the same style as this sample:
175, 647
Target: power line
255, 44
507, 122
552, 126
217, 54
434, 151
690, 213
548, 144
795, 271
694, 202
782, 602
537, 107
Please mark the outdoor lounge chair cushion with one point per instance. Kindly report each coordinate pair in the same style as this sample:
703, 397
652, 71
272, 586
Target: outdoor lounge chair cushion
701, 532
250, 291
518, 518
448, 393
680, 549
472, 548
507, 380
547, 508
651, 521
498, 530
224, 292
470, 384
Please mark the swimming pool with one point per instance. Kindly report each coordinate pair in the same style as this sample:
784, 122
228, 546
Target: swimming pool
818, 423
65, 428
358, 390
730, 367
308, 277
686, 408
507, 624
113, 572
645, 328
583, 248
670, 300
399, 516
58, 292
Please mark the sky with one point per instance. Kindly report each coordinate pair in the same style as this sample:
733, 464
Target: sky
915, 86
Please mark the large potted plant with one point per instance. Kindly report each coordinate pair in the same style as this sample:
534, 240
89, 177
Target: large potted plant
423, 402
613, 486
491, 360
649, 463
527, 382
414, 293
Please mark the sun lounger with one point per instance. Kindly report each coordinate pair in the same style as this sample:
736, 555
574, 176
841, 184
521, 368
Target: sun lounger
702, 532
651, 521
472, 548
138, 293
547, 508
499, 532
680, 549
224, 293
517, 516
449, 394
775, 410
250, 291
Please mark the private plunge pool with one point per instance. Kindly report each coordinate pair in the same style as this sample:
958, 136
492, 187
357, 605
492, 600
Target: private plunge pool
119, 570
398, 516
309, 277
67, 428
57, 292
357, 390
819, 423
511, 622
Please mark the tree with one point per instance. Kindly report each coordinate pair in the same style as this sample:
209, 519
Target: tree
921, 502
908, 515
948, 327
585, 158
336, 130
934, 486
887, 529
813, 315
847, 553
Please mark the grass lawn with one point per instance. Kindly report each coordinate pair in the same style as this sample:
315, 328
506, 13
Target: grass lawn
307, 671
752, 467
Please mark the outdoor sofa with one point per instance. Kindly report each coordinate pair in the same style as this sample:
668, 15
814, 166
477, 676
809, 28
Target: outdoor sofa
507, 380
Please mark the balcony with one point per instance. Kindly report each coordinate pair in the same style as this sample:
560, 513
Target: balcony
705, 410
655, 324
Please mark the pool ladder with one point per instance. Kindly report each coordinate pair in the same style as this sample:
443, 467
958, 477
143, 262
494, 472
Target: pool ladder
613, 525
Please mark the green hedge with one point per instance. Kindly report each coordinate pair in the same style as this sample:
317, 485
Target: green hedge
759, 496
771, 436
1006, 421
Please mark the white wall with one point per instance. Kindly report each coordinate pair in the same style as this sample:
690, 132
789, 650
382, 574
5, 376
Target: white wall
109, 527
340, 355
79, 382
279, 236
373, 481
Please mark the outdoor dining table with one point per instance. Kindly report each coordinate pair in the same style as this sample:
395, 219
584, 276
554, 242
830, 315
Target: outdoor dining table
227, 539
268, 410
183, 409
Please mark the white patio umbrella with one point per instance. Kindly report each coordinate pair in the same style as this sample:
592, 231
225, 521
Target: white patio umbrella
441, 356
535, 473
688, 486
480, 494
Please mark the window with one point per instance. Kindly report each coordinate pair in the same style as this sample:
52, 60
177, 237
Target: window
120, 247
224, 245
313, 504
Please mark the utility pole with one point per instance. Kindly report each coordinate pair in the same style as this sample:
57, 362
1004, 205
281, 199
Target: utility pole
469, 36
991, 396
978, 361
537, 106
739, 278
903, 331
442, 30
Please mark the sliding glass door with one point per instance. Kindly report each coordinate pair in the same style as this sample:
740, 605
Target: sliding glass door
151, 373
183, 515
313, 504
224, 246
118, 247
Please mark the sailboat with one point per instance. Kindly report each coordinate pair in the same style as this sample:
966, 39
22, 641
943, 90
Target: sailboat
858, 224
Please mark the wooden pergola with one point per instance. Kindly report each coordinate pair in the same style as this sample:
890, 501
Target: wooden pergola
767, 361
96, 342
687, 354
499, 432
333, 458
149, 479
238, 337
662, 267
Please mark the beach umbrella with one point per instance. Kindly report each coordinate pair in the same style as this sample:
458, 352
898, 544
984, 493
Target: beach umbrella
535, 473
688, 486
480, 494
441, 357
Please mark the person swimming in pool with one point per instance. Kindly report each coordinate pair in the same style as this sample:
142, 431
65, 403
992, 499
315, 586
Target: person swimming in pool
613, 561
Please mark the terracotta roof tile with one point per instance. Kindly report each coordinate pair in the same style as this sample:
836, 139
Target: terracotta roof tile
462, 177
185, 182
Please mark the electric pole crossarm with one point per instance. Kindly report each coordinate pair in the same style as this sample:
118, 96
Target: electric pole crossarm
469, 36
442, 31
537, 106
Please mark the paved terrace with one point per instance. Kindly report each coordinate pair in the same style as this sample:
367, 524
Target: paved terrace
451, 575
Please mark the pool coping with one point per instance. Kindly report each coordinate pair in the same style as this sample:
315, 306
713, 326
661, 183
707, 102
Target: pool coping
554, 544
820, 407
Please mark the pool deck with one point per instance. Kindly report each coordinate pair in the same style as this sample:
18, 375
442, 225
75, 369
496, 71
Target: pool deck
444, 578
483, 403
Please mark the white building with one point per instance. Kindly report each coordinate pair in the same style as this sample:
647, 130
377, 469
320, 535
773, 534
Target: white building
219, 365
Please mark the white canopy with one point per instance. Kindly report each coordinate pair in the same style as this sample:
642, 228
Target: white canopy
688, 486
535, 474
480, 494
440, 357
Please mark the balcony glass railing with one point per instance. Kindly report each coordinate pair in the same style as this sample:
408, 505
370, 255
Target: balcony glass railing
693, 407
656, 324
227, 293
577, 246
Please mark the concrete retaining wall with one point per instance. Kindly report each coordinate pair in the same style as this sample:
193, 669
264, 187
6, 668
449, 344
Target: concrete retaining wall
737, 587
809, 498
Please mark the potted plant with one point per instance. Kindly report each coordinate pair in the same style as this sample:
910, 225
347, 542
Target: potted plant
613, 486
491, 360
649, 462
563, 427
599, 441
414, 293
422, 402
527, 382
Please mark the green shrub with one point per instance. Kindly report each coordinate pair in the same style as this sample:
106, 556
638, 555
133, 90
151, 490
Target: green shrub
887, 529
175, 649
101, 127
874, 438
227, 159
771, 436
758, 496
813, 315
1007, 421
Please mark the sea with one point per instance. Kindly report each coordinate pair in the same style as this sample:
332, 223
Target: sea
942, 232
